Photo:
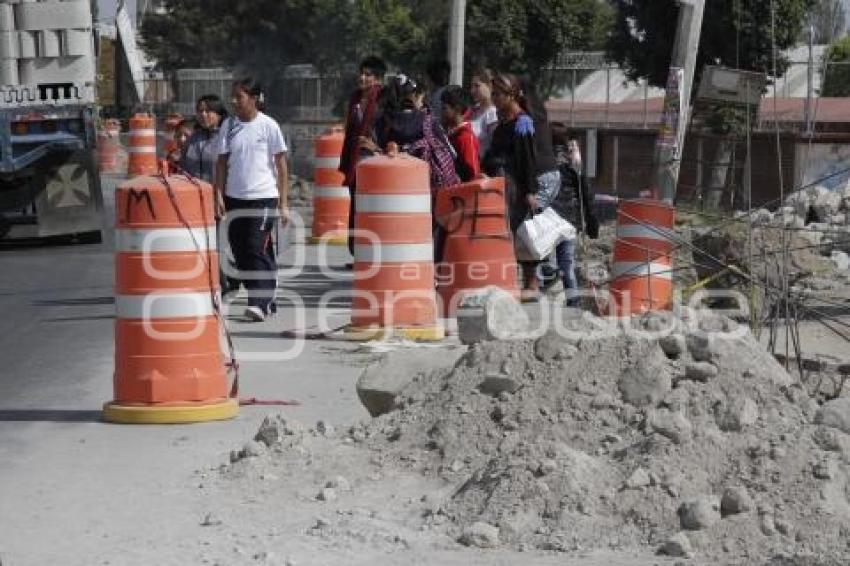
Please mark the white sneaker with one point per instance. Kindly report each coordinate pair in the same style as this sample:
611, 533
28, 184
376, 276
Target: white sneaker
255, 314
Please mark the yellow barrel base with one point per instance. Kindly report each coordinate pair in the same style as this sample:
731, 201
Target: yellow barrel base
415, 333
170, 414
334, 240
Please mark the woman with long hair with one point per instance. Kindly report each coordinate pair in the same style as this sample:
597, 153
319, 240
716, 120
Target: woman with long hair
252, 185
483, 116
514, 154
200, 154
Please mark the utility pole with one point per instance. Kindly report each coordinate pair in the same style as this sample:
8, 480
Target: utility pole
457, 23
670, 141
810, 82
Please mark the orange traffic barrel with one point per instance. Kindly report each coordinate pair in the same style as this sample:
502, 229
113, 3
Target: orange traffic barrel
169, 367
109, 146
642, 269
331, 199
393, 252
478, 249
142, 146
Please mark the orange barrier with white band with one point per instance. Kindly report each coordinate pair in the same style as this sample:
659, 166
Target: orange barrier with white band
141, 147
331, 198
643, 257
169, 367
109, 147
393, 251
478, 249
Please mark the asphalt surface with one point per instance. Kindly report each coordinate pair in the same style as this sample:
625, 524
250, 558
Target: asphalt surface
73, 489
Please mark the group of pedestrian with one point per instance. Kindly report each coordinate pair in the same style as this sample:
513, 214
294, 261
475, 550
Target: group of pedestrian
499, 127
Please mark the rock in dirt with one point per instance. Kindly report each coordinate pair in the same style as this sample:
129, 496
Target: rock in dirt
639, 478
553, 346
735, 500
677, 546
275, 428
670, 424
647, 381
491, 314
737, 414
381, 382
835, 414
481, 535
701, 346
699, 513
497, 384
251, 449
700, 371
339, 483
673, 345
326, 494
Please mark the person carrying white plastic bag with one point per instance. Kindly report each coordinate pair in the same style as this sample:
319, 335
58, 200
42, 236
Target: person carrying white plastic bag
538, 235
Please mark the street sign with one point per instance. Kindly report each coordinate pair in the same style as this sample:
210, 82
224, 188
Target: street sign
722, 84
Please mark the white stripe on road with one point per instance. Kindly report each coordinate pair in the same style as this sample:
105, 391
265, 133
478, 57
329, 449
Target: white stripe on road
394, 203
331, 192
326, 163
648, 232
162, 305
165, 239
631, 269
393, 253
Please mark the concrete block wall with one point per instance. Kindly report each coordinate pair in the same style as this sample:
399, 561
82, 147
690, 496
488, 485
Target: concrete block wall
46, 42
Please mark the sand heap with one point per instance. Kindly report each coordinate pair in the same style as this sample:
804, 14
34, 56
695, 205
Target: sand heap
682, 435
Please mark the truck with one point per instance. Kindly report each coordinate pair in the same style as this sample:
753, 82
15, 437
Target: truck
49, 181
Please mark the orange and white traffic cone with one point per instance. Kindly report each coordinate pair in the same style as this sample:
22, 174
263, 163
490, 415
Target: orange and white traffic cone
169, 367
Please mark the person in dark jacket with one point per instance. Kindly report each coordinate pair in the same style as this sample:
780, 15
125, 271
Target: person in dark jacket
363, 111
573, 203
513, 154
200, 154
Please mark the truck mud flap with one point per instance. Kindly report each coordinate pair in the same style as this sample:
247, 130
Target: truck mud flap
71, 202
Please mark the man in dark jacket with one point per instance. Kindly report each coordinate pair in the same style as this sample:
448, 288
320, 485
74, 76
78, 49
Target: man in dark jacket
362, 114
573, 203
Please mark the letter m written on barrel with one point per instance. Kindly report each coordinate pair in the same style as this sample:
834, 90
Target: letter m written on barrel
393, 251
169, 365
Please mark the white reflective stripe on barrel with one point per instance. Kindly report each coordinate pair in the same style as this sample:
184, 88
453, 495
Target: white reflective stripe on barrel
393, 253
393, 203
165, 239
164, 305
331, 192
641, 269
143, 132
326, 162
142, 149
645, 231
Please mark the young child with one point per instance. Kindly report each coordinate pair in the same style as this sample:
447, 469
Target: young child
455, 107
182, 133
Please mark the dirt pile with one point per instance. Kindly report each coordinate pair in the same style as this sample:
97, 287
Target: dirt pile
681, 435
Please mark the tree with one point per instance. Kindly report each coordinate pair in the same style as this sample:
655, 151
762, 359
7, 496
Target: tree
837, 79
828, 18
264, 36
527, 36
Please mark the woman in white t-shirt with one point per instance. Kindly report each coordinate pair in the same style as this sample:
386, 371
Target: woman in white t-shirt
252, 186
483, 117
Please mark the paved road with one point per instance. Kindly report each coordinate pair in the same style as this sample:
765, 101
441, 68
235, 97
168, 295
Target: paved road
73, 488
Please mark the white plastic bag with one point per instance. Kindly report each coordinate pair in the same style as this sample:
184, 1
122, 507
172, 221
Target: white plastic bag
538, 236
